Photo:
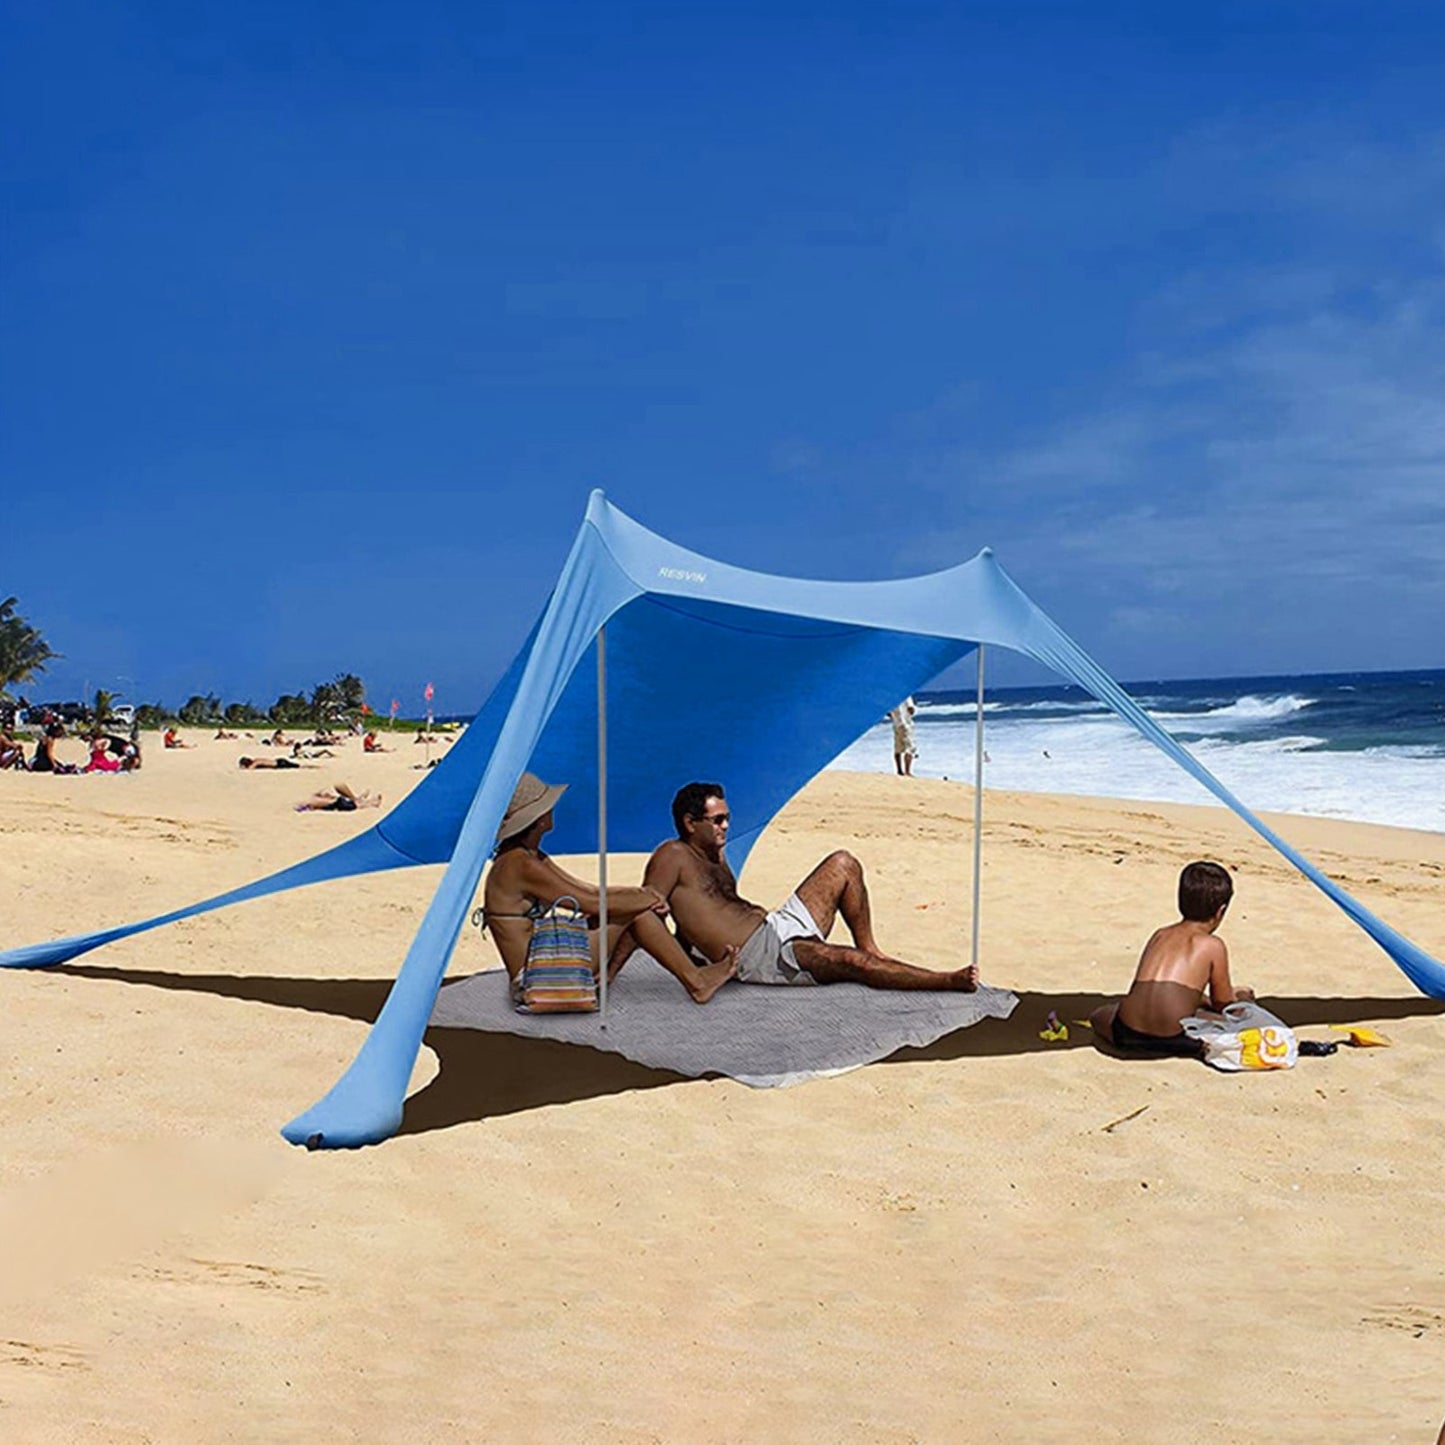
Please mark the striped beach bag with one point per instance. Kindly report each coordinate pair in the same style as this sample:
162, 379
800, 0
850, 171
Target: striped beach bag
558, 977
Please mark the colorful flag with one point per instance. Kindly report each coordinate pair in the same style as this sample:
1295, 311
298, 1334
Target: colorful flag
429, 693
394, 706
364, 709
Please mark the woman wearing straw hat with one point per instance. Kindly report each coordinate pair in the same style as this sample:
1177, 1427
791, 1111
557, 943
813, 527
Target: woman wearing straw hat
524, 882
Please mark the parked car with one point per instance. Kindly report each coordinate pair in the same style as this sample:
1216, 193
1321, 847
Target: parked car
66, 712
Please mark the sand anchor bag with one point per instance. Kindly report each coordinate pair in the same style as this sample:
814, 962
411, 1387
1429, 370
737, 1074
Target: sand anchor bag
1248, 1037
558, 977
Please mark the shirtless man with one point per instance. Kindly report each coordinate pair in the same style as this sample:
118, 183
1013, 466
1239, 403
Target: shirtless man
1179, 962
524, 882
787, 946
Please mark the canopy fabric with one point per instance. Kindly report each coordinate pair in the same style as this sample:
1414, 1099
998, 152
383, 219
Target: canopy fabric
714, 672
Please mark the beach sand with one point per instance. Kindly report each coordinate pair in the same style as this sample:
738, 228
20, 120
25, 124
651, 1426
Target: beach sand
995, 1238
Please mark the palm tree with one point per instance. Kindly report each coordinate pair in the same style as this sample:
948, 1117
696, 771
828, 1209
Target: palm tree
198, 710
23, 651
290, 710
242, 715
351, 690
325, 703
103, 705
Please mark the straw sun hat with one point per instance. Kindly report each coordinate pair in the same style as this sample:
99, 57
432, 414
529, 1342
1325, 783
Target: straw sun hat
532, 798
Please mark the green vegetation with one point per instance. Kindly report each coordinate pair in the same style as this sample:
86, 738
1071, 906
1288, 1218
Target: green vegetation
328, 704
23, 651
103, 707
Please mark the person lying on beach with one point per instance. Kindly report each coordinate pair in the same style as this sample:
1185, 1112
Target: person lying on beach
523, 882
172, 739
1180, 961
339, 799
222, 736
251, 764
278, 739
788, 945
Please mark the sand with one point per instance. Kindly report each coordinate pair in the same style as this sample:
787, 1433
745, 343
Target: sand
996, 1238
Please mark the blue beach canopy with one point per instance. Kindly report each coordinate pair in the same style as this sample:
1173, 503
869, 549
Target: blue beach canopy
712, 672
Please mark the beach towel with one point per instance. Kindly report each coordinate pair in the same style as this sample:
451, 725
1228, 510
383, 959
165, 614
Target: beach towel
764, 1037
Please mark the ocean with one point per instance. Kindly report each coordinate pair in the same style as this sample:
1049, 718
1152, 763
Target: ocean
1369, 746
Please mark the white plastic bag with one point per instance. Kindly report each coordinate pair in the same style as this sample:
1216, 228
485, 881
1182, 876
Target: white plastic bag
1248, 1037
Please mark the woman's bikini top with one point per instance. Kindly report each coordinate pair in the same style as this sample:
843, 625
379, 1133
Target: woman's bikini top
481, 916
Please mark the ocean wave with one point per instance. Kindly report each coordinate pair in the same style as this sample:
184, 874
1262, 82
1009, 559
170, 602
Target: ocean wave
1004, 711
1398, 784
1295, 743
1246, 712
1087, 704
1253, 708
956, 709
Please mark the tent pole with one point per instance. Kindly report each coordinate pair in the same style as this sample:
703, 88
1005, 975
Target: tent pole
977, 805
602, 949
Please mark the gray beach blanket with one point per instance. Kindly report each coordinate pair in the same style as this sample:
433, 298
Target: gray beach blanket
766, 1037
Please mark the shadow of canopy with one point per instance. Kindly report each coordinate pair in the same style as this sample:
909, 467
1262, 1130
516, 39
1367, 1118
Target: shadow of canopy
486, 1076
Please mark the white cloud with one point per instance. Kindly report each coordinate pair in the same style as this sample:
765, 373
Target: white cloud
1276, 452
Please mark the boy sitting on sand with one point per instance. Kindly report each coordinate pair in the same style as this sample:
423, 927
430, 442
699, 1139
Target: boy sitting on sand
1178, 963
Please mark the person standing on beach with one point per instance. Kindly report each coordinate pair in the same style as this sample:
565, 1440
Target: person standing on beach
1180, 961
904, 747
788, 945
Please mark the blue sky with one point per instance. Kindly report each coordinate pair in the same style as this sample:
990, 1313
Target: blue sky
317, 323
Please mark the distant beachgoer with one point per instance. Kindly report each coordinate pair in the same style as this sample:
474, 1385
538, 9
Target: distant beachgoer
110, 753
101, 758
1180, 961
12, 751
523, 882
222, 736
339, 799
45, 760
252, 764
278, 739
369, 744
172, 739
905, 749
788, 945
